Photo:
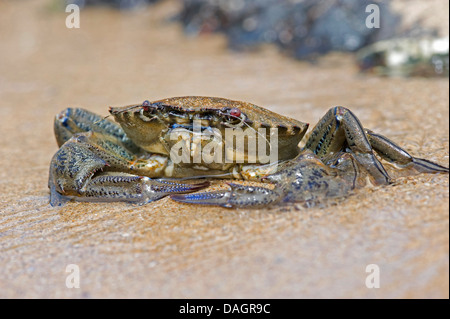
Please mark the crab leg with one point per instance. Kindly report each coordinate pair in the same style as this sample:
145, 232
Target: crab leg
236, 196
393, 153
75, 120
340, 128
306, 179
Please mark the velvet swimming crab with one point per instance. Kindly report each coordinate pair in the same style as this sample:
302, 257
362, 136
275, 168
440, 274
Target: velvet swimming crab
136, 159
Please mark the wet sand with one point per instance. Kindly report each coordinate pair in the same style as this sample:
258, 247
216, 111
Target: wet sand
170, 250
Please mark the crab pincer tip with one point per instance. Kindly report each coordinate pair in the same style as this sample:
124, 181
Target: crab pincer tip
218, 198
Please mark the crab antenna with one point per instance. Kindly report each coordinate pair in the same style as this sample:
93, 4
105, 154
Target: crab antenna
130, 107
102, 119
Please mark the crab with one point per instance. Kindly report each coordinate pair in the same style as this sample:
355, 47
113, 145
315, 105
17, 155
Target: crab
138, 158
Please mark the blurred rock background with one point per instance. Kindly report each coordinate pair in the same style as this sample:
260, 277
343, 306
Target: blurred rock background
307, 29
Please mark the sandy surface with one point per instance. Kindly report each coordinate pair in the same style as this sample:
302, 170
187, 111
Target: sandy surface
166, 249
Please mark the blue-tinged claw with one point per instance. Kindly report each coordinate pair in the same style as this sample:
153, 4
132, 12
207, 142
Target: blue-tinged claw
218, 198
237, 196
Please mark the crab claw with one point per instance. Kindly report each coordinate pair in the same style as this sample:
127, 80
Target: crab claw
155, 189
237, 196
164, 187
127, 188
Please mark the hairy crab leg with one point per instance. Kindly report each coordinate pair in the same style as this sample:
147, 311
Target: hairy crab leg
76, 120
393, 153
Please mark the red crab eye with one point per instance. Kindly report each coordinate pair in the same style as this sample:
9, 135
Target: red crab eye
235, 112
146, 105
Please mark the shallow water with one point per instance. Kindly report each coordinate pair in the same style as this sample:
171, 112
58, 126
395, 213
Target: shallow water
167, 249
